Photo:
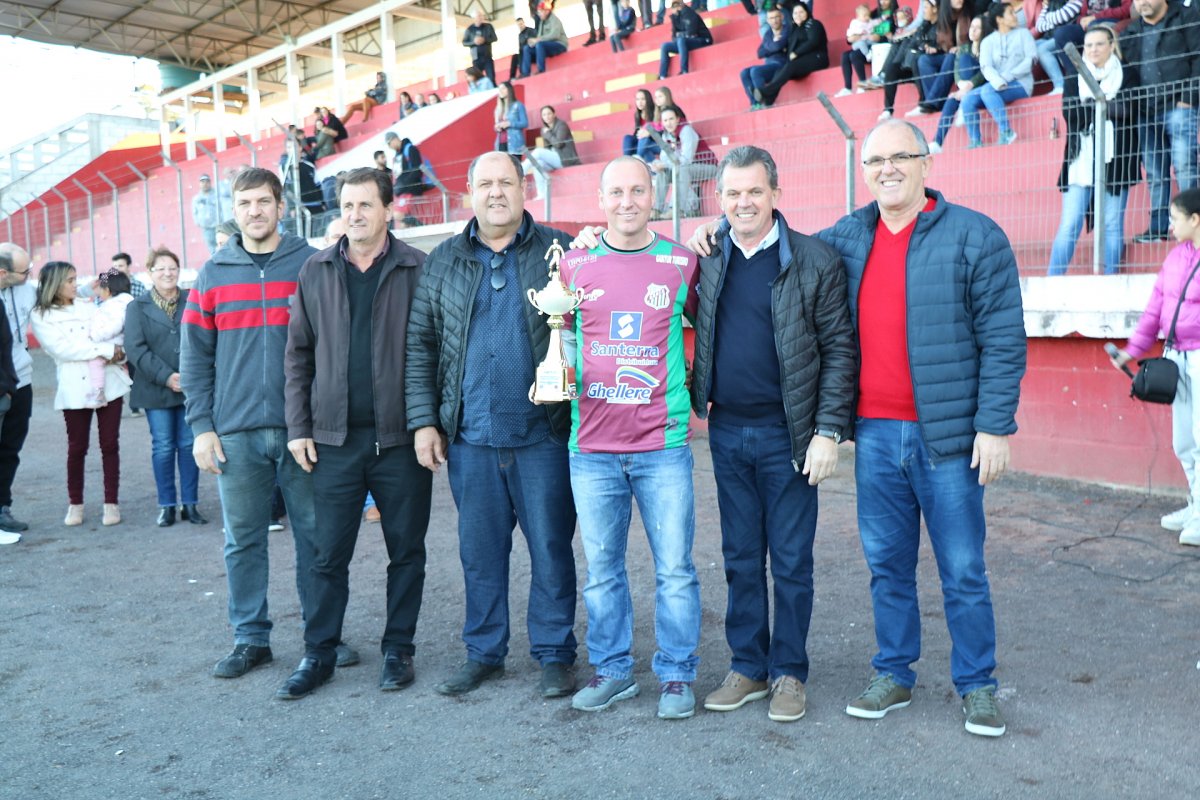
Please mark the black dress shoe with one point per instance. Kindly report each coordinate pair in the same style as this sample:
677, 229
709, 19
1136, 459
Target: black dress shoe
347, 656
468, 678
166, 516
397, 671
1148, 237
308, 676
192, 514
244, 658
557, 680
10, 523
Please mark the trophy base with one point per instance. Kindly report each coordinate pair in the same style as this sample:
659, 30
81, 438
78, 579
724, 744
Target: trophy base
554, 384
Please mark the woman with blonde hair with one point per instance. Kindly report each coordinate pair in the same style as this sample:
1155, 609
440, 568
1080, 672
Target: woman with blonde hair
61, 325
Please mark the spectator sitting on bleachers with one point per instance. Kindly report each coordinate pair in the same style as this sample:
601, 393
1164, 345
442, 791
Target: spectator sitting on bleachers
434, 99
892, 23
688, 32
1006, 57
477, 81
773, 50
479, 36
858, 36
407, 106
643, 118
549, 40
510, 121
1101, 56
936, 69
901, 64
377, 95
1056, 24
524, 34
323, 140
623, 26
331, 121
807, 52
558, 149
696, 164
967, 78
406, 165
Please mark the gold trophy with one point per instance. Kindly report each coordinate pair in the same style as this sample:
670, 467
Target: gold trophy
555, 381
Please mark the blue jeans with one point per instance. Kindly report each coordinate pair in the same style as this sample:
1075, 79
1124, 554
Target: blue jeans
937, 77
995, 101
661, 480
946, 120
1047, 56
766, 507
254, 460
540, 51
756, 77
171, 442
897, 484
1168, 138
496, 489
680, 45
1077, 201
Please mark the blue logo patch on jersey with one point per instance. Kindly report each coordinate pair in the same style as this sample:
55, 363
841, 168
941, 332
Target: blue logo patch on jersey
625, 326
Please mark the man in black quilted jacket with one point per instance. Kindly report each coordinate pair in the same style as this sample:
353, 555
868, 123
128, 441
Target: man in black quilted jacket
473, 341
774, 372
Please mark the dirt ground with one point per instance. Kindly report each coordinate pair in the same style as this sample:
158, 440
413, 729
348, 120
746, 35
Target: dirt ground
107, 636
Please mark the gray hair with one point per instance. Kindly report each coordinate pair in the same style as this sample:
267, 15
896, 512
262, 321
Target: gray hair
516, 163
747, 155
918, 135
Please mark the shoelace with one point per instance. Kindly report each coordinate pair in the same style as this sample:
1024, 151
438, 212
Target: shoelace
597, 680
879, 688
982, 702
673, 687
785, 684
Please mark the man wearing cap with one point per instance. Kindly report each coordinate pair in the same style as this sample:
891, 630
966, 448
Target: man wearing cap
549, 40
204, 212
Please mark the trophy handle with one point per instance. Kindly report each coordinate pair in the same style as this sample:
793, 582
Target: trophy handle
532, 295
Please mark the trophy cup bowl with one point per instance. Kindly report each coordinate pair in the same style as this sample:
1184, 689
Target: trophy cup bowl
554, 300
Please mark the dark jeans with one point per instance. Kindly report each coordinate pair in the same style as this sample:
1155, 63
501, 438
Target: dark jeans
856, 60
681, 45
487, 66
793, 70
13, 431
401, 488
79, 432
171, 442
937, 78
496, 489
895, 73
766, 507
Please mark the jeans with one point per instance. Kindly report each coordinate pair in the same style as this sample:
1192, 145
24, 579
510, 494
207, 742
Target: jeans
401, 488
13, 431
1185, 417
1168, 138
756, 77
1047, 56
540, 52
897, 485
254, 460
690, 175
680, 45
946, 120
661, 480
1077, 201
853, 59
496, 489
171, 443
766, 507
937, 77
995, 101
550, 160
79, 434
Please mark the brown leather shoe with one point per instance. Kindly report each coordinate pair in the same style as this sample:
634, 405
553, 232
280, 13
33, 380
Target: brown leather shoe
787, 699
735, 691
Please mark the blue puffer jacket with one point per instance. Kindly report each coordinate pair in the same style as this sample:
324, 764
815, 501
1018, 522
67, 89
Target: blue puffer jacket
966, 329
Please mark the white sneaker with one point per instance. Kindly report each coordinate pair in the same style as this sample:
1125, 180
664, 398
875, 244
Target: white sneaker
9, 538
934, 148
1191, 533
843, 93
1177, 520
884, 115
916, 111
959, 119
860, 90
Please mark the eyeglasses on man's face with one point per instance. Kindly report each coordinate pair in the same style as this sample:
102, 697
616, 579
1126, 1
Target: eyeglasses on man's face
896, 159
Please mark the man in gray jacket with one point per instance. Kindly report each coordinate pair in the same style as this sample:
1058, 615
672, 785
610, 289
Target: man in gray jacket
231, 368
349, 429
473, 340
777, 361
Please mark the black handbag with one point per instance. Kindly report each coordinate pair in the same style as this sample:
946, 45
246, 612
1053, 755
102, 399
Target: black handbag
1158, 378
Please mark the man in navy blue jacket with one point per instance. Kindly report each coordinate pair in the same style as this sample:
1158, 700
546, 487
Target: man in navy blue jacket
773, 52
936, 302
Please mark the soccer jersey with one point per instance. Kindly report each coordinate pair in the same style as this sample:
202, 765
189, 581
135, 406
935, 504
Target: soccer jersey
630, 364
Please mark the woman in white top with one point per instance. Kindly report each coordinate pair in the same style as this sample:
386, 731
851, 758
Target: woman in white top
1006, 59
61, 326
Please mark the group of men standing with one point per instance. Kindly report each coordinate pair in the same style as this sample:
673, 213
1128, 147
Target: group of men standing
886, 327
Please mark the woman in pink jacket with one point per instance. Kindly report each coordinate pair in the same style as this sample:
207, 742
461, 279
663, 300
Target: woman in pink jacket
1182, 262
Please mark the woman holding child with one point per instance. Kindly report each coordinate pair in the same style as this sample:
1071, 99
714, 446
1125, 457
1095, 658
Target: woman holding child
63, 327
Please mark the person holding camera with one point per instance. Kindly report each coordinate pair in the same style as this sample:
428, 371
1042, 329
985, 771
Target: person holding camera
1174, 310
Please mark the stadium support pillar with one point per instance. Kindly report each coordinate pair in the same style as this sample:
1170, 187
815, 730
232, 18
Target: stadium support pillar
450, 43
218, 93
293, 87
255, 104
339, 74
387, 48
189, 130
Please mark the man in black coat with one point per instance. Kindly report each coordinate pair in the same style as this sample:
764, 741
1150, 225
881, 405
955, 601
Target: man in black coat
479, 36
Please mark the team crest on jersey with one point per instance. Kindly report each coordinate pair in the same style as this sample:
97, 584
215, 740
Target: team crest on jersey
625, 326
658, 296
632, 386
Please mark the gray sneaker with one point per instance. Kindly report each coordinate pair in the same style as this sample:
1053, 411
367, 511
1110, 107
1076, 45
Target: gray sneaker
676, 700
881, 696
602, 691
983, 712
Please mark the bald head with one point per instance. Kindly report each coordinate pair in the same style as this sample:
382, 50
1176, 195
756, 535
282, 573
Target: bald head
14, 265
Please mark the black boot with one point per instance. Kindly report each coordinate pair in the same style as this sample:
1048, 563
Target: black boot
166, 516
192, 514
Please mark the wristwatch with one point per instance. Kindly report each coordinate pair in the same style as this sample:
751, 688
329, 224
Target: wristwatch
830, 433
